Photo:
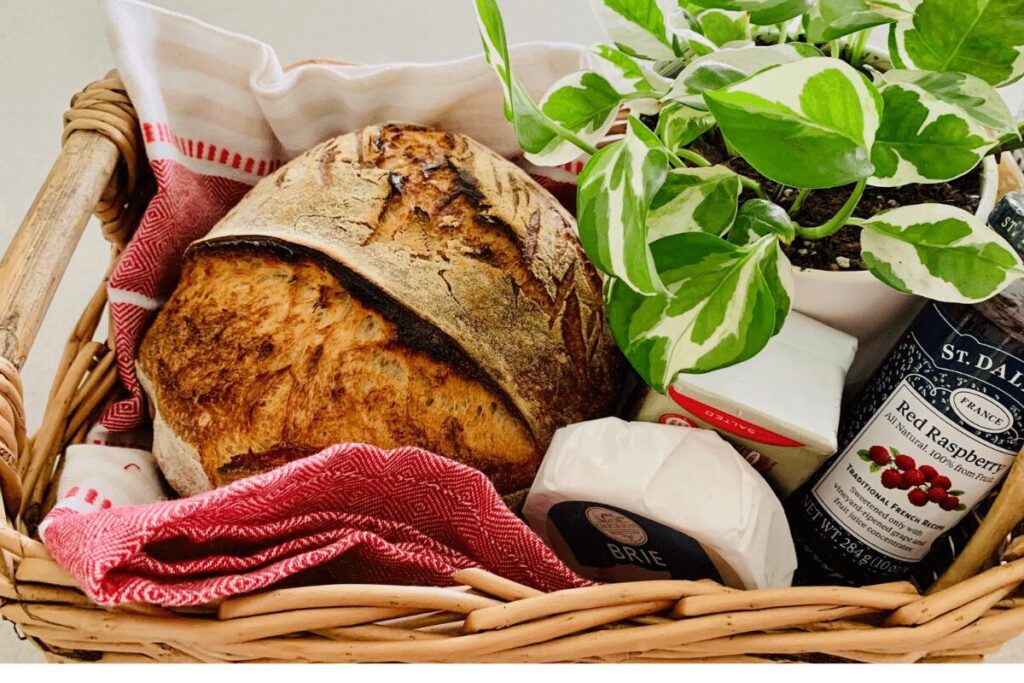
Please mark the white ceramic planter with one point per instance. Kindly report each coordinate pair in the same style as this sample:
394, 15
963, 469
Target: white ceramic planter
858, 304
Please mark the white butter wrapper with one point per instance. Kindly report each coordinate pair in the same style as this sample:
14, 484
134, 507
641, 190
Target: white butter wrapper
623, 501
780, 408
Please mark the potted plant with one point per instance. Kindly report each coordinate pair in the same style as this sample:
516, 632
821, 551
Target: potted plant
764, 132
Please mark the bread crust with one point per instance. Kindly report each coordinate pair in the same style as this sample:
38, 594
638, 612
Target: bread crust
469, 274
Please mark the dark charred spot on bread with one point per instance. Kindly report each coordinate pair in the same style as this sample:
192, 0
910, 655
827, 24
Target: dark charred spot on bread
323, 299
244, 464
466, 185
486, 219
428, 167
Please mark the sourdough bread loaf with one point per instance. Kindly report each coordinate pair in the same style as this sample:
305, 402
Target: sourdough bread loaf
396, 286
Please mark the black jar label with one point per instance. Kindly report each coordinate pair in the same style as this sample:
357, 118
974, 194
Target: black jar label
1008, 219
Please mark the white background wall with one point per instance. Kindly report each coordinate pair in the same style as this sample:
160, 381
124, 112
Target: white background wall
49, 49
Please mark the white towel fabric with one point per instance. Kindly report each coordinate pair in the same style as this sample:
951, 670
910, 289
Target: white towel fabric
193, 82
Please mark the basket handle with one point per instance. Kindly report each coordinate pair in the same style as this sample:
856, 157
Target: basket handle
97, 172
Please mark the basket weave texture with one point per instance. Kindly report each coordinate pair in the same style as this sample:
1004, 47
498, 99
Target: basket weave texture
102, 170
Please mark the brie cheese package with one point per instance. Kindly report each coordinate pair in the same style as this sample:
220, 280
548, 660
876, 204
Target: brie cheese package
626, 501
780, 408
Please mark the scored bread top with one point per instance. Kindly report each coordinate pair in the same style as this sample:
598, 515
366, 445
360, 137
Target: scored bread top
466, 258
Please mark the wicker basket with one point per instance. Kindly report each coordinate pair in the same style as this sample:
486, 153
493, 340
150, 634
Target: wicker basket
487, 619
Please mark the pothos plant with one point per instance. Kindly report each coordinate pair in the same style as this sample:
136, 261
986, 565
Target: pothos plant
696, 275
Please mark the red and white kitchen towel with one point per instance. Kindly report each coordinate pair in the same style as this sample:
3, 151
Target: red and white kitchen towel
219, 112
351, 513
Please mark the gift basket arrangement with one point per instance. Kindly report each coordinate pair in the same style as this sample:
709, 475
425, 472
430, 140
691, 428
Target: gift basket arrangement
703, 344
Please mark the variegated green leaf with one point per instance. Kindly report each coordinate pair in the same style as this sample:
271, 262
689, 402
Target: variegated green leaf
780, 11
938, 251
694, 200
762, 12
984, 38
809, 123
721, 27
832, 19
725, 67
626, 73
630, 75
695, 42
534, 131
584, 103
976, 99
638, 27
719, 309
760, 217
923, 139
777, 272
679, 125
613, 194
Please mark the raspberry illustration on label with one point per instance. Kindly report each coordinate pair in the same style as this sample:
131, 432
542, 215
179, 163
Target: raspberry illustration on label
923, 484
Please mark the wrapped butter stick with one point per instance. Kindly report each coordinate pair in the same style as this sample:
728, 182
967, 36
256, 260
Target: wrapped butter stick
780, 408
624, 501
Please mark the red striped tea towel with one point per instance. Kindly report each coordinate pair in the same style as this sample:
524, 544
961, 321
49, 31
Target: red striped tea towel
351, 513
219, 112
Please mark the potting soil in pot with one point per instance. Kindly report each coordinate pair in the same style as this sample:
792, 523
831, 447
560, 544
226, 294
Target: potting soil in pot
841, 251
